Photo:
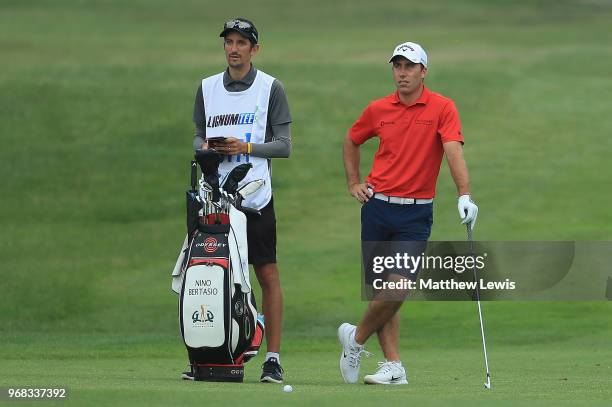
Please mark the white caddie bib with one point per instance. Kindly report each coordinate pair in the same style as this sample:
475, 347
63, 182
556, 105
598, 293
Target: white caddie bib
242, 115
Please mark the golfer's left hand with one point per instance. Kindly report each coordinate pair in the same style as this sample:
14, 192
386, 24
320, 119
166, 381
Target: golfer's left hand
468, 211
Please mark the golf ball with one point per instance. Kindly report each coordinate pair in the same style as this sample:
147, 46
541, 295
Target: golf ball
287, 388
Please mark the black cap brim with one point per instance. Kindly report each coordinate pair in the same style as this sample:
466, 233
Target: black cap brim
246, 34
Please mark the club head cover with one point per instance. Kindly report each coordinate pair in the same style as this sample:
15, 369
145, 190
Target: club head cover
234, 177
209, 161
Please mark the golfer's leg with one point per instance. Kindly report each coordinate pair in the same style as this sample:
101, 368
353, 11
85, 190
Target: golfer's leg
377, 314
388, 337
414, 235
272, 303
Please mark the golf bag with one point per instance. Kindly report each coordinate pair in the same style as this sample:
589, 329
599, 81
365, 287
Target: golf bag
217, 310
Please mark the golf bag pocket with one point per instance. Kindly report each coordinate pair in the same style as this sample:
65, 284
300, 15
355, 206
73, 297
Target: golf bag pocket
203, 303
251, 352
244, 323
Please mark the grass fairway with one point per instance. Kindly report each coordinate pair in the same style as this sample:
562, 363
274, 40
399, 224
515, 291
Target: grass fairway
95, 125
142, 369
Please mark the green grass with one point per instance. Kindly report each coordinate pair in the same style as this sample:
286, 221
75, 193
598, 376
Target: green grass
95, 130
447, 369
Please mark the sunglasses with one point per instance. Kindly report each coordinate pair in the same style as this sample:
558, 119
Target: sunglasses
232, 24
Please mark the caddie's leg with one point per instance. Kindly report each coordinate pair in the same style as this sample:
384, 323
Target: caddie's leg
272, 303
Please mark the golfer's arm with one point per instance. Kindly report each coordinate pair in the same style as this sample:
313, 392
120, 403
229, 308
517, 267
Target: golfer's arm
457, 166
350, 153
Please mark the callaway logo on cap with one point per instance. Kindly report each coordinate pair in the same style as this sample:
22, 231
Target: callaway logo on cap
412, 52
243, 26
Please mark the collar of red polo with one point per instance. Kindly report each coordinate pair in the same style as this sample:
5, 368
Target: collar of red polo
422, 100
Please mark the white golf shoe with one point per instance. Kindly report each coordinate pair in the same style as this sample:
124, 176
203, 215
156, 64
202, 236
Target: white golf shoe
387, 373
350, 358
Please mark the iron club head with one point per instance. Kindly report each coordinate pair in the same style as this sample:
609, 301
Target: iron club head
251, 187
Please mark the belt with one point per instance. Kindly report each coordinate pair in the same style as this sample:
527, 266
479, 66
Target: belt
402, 201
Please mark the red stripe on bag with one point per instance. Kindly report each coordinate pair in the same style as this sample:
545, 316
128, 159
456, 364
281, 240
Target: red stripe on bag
209, 261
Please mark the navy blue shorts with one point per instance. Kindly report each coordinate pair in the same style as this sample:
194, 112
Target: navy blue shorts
261, 236
381, 222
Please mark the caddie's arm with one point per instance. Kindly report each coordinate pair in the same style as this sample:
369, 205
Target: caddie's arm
279, 119
279, 147
468, 211
350, 153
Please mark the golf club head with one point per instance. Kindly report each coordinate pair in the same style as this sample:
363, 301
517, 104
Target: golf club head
209, 161
205, 186
487, 384
236, 175
251, 187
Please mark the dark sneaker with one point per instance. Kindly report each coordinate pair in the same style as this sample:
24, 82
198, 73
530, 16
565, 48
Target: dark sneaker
187, 376
272, 371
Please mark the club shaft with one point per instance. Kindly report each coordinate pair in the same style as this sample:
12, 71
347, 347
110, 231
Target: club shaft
482, 332
484, 341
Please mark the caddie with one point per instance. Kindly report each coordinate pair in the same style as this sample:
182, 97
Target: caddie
243, 113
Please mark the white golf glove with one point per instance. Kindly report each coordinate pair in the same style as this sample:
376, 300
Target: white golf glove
464, 205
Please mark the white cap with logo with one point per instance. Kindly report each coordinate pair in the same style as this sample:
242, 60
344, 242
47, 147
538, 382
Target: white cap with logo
412, 52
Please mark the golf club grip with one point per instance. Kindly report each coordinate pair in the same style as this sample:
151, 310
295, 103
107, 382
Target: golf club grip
194, 174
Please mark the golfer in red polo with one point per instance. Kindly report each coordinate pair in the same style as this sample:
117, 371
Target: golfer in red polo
415, 128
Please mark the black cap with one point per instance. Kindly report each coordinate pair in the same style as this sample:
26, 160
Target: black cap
243, 26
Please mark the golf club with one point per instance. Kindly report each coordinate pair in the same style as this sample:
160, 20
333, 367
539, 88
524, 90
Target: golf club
487, 383
250, 188
237, 174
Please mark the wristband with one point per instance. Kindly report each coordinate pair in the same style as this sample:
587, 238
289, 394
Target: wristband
249, 148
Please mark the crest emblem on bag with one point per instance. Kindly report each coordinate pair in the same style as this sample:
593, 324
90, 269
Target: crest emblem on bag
203, 315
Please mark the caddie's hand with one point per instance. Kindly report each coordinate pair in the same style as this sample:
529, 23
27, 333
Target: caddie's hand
204, 145
468, 211
362, 192
231, 146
